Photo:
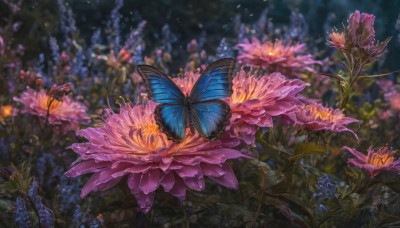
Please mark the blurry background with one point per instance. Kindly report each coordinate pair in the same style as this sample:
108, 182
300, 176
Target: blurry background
211, 19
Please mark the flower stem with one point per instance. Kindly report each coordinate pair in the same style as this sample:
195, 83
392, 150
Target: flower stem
35, 209
47, 117
260, 202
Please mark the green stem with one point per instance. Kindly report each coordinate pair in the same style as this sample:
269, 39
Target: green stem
84, 214
47, 118
34, 208
186, 217
345, 93
260, 202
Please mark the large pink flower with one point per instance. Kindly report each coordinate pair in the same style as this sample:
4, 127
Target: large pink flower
374, 162
276, 57
65, 114
316, 117
256, 100
130, 143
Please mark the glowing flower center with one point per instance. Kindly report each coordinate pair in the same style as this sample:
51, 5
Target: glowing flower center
54, 103
245, 93
380, 159
148, 128
317, 112
150, 138
5, 111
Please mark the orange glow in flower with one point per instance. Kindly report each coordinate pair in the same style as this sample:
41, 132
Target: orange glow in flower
46, 100
317, 112
148, 128
250, 90
276, 56
5, 111
64, 113
316, 117
375, 161
380, 158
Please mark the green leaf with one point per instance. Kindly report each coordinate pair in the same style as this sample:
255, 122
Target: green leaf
378, 75
296, 206
270, 177
19, 179
302, 149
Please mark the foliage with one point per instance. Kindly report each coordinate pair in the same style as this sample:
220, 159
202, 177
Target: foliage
298, 174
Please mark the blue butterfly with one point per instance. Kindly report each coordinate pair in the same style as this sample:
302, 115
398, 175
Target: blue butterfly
202, 109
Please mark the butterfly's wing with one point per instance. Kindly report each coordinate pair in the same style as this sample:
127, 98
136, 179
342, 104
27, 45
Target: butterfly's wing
172, 119
210, 118
215, 82
160, 88
170, 115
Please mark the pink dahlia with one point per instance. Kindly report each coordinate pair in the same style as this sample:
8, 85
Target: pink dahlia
65, 114
316, 117
276, 57
131, 144
256, 100
374, 162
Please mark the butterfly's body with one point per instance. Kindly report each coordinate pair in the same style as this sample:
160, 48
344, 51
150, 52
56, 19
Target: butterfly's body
188, 107
201, 109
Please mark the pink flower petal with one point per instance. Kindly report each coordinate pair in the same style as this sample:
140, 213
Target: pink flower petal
179, 189
168, 181
145, 201
228, 179
150, 181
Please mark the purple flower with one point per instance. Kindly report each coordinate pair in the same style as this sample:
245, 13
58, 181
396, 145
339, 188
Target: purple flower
64, 114
358, 38
315, 117
277, 56
131, 144
374, 162
22, 215
360, 32
256, 100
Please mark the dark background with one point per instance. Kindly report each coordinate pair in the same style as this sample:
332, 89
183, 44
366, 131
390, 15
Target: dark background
187, 19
